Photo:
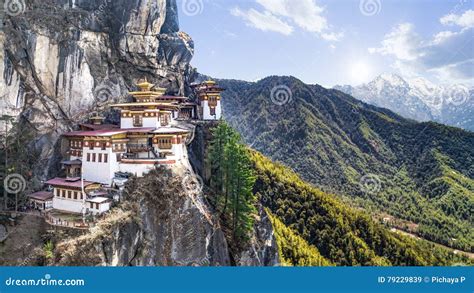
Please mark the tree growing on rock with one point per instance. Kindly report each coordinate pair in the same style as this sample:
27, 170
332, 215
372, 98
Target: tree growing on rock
232, 180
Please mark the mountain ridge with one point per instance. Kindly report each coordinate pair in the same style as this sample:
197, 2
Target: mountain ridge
337, 143
418, 99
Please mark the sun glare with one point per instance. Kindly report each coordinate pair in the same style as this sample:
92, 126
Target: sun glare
360, 72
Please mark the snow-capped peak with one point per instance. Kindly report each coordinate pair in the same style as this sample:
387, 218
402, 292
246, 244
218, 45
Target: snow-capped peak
418, 98
391, 78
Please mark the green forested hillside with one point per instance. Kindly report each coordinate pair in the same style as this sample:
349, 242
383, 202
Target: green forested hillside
315, 228
421, 173
293, 249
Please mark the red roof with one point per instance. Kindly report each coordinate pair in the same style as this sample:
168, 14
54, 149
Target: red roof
41, 195
102, 132
65, 183
99, 126
140, 129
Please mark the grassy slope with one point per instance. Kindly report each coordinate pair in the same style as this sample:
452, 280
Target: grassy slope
341, 235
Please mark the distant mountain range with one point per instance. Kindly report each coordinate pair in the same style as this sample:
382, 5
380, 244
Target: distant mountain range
418, 99
419, 173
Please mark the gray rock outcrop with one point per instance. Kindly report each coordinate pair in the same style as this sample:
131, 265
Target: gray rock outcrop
60, 60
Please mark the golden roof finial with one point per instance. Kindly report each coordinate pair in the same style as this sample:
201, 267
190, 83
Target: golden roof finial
145, 86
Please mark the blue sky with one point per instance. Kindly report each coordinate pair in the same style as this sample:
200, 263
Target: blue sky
332, 41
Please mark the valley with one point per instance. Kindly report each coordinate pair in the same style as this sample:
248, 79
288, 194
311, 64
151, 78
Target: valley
370, 157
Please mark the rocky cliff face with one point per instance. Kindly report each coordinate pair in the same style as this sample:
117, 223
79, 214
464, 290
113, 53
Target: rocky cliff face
60, 60
262, 249
164, 221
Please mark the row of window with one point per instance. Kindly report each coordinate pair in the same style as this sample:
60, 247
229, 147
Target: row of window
102, 145
99, 158
93, 205
120, 146
71, 194
138, 120
164, 143
75, 144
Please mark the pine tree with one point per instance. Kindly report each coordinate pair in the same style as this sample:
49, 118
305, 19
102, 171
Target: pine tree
232, 180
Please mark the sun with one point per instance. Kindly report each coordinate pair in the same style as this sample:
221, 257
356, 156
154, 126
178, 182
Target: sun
360, 72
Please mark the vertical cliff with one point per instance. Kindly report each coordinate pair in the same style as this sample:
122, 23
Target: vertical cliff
163, 221
262, 249
62, 59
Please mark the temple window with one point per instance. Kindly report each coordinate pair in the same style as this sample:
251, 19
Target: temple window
212, 101
137, 120
106, 157
164, 119
164, 143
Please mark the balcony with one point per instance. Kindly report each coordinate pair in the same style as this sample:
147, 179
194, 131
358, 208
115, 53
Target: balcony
138, 148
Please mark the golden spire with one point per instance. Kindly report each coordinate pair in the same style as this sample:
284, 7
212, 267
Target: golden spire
145, 86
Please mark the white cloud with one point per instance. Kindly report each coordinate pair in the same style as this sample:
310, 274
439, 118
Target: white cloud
447, 56
287, 14
332, 36
304, 13
401, 42
465, 20
264, 21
